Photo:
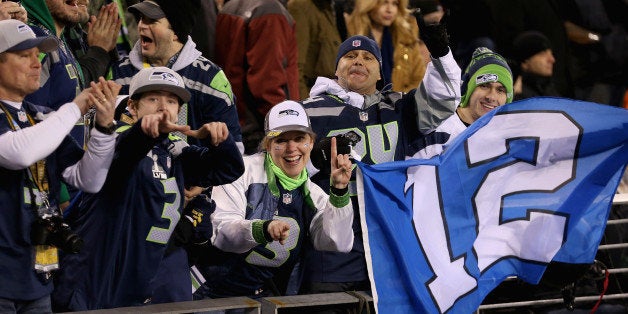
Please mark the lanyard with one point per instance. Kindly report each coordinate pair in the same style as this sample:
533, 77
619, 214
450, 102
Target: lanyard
36, 171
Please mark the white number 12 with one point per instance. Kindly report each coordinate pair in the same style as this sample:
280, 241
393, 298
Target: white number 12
555, 137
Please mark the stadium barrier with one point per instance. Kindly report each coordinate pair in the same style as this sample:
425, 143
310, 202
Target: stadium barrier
358, 301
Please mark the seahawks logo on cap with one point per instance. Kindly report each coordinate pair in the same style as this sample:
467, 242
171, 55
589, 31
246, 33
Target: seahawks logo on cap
163, 76
288, 112
485, 78
356, 43
23, 28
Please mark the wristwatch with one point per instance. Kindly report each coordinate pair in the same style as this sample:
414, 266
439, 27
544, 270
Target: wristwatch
109, 129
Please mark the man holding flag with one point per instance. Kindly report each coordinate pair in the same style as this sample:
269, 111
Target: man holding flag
526, 184
486, 84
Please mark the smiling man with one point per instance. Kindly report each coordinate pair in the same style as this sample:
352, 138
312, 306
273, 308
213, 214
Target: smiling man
36, 156
385, 121
486, 84
164, 27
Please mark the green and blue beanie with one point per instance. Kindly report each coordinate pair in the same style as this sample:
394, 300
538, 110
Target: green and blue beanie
486, 66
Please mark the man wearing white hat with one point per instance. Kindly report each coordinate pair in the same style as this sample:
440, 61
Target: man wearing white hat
132, 259
35, 155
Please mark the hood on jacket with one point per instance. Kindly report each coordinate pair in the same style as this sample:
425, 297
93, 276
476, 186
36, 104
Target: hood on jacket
38, 13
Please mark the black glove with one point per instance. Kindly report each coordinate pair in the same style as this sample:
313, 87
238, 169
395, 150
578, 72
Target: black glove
198, 211
434, 36
321, 153
194, 227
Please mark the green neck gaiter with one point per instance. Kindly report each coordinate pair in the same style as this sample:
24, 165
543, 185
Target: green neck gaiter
287, 182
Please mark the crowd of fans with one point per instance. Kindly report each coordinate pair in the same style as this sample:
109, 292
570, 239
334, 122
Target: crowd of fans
148, 147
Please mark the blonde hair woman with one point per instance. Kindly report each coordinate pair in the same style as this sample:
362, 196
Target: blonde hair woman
395, 30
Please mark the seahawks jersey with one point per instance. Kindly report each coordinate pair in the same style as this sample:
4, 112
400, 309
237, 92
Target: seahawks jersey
247, 274
128, 224
61, 77
18, 201
383, 126
257, 195
212, 99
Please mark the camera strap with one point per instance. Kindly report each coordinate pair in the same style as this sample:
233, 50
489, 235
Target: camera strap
37, 171
46, 257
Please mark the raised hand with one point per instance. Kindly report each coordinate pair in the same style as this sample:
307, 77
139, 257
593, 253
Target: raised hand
340, 167
12, 10
218, 132
160, 123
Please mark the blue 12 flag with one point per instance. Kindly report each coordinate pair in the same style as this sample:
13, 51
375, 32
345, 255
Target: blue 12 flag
528, 183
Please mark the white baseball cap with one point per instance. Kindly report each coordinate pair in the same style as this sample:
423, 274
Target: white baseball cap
158, 79
17, 36
286, 116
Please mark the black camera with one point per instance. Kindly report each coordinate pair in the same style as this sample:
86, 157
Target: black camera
321, 153
51, 230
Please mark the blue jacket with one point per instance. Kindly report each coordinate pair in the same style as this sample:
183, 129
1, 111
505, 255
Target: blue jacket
212, 99
128, 224
19, 281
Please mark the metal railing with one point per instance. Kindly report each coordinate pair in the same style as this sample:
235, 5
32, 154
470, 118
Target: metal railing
622, 295
354, 301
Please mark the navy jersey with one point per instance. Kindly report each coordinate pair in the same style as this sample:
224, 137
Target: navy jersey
248, 274
385, 128
212, 98
257, 196
128, 224
19, 280
60, 78
386, 123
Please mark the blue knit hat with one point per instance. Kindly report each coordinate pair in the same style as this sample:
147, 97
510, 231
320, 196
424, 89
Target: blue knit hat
485, 66
359, 42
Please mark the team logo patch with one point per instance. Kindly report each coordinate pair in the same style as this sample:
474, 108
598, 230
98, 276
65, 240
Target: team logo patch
24, 29
287, 198
163, 76
356, 43
288, 112
273, 133
364, 116
21, 115
485, 78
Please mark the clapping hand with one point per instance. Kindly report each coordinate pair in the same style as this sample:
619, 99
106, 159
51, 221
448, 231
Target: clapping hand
12, 10
103, 30
102, 96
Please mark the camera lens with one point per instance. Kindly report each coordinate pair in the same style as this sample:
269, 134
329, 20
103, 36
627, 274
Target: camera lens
70, 242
